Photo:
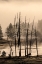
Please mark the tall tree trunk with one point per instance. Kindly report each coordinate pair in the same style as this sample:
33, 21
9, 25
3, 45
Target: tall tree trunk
36, 41
30, 48
15, 46
25, 48
27, 42
19, 43
25, 30
36, 47
10, 48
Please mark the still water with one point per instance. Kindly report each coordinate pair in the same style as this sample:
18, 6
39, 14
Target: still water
6, 48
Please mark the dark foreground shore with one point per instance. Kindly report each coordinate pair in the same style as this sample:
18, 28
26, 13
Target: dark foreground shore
21, 60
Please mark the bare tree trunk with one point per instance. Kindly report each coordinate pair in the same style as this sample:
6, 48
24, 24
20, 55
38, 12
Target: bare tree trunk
36, 47
15, 46
27, 42
36, 42
19, 38
25, 48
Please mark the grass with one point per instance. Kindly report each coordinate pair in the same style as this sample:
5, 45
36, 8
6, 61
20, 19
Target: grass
21, 60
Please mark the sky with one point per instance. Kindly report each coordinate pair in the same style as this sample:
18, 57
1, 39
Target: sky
28, 8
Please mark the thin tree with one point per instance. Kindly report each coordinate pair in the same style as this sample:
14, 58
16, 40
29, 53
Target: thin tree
30, 43
19, 43
15, 34
15, 46
36, 42
10, 44
1, 34
31, 36
25, 41
27, 38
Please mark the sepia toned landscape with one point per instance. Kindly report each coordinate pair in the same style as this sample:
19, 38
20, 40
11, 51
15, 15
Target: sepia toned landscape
20, 32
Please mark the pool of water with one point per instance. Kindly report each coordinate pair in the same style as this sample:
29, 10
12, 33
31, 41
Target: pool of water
6, 48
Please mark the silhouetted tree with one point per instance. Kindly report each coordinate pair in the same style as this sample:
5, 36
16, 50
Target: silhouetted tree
10, 31
1, 34
15, 46
36, 42
27, 41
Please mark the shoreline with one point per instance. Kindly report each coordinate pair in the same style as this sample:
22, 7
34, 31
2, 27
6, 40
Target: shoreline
21, 60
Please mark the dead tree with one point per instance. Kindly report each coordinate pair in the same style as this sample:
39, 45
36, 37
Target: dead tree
25, 31
15, 46
36, 42
27, 42
19, 43
30, 43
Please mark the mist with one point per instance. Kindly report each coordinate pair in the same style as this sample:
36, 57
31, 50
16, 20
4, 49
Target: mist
10, 8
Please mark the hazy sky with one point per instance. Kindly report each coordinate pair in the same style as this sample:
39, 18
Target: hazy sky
28, 8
